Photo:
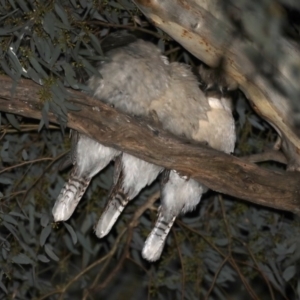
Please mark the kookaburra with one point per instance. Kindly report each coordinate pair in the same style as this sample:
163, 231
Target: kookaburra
138, 80
212, 123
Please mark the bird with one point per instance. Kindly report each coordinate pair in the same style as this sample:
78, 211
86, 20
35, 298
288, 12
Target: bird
214, 125
138, 80
170, 104
133, 75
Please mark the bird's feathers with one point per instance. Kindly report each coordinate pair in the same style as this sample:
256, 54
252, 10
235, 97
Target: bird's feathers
204, 118
131, 176
70, 196
89, 158
155, 242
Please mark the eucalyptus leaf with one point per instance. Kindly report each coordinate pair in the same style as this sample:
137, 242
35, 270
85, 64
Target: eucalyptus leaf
289, 273
5, 180
45, 234
72, 233
22, 259
43, 258
50, 253
12, 120
23, 5
48, 24
62, 14
8, 218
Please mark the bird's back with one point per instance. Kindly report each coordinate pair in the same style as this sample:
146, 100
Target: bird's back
132, 77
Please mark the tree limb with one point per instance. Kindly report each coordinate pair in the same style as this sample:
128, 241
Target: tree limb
220, 172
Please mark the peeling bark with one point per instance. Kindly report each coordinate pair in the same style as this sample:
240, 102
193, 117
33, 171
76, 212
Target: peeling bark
220, 172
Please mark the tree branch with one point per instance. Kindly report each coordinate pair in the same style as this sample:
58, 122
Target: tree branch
220, 172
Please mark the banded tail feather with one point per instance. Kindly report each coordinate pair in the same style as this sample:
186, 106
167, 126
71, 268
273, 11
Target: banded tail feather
117, 200
156, 240
113, 209
70, 196
130, 177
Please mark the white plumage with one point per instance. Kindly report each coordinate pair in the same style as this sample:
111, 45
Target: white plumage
89, 158
215, 125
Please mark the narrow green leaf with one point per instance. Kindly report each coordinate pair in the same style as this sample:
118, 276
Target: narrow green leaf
44, 234
5, 180
34, 76
90, 68
23, 5
62, 14
48, 24
37, 66
4, 253
72, 233
11, 229
44, 221
16, 214
50, 253
6, 31
13, 121
289, 273
9, 219
70, 75
22, 259
43, 258
12, 3
45, 111
8, 15
24, 155
15, 61
96, 43
41, 125
6, 69
55, 56
71, 106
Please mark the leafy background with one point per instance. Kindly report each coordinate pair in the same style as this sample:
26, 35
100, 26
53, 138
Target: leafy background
226, 249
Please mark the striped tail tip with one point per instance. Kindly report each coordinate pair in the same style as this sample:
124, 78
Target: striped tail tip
156, 240
112, 211
69, 198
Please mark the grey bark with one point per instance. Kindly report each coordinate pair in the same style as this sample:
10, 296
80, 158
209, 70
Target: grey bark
218, 171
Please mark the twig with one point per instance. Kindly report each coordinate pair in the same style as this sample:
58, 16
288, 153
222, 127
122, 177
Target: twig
266, 156
26, 163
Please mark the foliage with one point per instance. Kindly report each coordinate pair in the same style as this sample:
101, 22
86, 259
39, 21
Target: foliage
226, 247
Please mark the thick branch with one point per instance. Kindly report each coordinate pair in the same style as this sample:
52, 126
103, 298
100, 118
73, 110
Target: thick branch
220, 172
202, 28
